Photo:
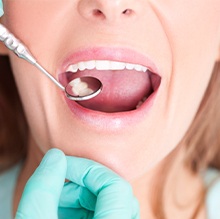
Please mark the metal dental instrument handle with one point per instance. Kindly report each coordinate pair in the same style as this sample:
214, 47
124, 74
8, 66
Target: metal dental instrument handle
94, 86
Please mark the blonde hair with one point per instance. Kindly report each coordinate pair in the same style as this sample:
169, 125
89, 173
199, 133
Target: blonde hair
203, 138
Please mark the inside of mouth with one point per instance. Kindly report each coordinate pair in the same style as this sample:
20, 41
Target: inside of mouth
123, 90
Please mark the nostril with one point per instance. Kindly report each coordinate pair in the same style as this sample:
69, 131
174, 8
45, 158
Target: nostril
127, 11
98, 13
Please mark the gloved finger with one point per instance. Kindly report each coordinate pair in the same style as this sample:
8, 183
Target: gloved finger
114, 195
41, 195
1, 8
135, 209
75, 213
70, 197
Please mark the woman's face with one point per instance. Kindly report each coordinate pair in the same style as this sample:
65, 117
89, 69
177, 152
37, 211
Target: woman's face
177, 41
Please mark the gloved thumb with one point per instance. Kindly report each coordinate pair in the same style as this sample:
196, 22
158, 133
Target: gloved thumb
1, 8
41, 195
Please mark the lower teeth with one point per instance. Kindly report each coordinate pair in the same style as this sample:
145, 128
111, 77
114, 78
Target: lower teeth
141, 102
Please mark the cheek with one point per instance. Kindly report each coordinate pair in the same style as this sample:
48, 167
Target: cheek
194, 35
29, 87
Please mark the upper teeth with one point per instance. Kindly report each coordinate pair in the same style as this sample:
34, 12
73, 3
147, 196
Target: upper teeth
105, 65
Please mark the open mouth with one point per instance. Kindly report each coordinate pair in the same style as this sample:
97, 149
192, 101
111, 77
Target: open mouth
126, 86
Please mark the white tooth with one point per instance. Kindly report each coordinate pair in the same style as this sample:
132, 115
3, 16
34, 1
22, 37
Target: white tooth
141, 102
90, 64
102, 65
81, 66
72, 68
80, 88
105, 65
138, 67
144, 69
117, 65
86, 92
130, 66
75, 82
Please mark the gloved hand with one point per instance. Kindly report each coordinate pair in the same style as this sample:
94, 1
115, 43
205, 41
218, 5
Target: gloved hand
1, 8
93, 191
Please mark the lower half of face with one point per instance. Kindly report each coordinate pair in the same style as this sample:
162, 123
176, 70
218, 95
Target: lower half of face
154, 59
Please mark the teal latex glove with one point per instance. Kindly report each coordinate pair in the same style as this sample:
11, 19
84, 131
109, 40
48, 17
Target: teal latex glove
94, 191
1, 8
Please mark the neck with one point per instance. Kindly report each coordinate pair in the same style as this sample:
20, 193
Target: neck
166, 190
146, 187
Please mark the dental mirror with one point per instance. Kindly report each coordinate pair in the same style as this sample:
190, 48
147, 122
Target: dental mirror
79, 89
83, 88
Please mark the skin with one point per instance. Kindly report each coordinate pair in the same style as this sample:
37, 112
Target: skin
181, 37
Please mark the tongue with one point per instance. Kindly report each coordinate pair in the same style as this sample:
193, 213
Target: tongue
122, 90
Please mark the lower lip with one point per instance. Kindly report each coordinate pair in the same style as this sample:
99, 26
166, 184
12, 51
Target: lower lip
111, 121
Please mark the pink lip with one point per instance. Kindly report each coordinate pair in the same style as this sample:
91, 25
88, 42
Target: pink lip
109, 121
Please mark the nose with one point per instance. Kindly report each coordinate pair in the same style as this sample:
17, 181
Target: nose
107, 10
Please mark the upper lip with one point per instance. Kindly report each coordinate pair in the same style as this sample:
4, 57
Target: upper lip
112, 54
